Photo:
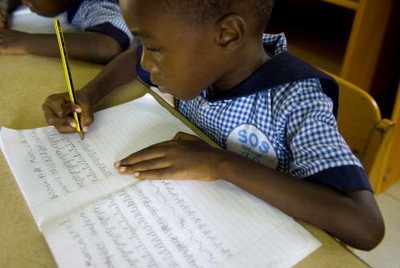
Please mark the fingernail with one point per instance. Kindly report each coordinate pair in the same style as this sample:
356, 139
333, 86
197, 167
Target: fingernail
78, 109
117, 164
85, 129
72, 124
122, 169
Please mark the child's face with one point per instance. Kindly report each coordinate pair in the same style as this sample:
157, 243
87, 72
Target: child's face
47, 8
180, 56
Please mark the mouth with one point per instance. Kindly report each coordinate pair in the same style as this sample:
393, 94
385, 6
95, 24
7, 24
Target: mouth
163, 89
158, 85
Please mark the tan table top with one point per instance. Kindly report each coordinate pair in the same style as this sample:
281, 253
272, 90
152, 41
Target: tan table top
25, 82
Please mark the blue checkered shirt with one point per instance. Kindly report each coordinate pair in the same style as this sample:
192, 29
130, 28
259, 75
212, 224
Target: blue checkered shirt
289, 127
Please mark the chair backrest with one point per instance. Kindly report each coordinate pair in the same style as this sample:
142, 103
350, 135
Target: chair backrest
367, 134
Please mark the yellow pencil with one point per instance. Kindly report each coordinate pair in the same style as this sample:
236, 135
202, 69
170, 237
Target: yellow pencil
67, 73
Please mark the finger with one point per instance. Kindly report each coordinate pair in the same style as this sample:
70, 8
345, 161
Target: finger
64, 125
60, 106
152, 174
145, 166
86, 115
168, 173
184, 136
145, 154
155, 174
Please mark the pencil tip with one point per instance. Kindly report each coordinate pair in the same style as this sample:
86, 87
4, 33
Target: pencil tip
81, 136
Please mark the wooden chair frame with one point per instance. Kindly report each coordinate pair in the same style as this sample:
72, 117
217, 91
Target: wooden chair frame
368, 135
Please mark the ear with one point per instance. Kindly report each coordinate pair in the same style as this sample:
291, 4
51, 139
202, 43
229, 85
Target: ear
231, 31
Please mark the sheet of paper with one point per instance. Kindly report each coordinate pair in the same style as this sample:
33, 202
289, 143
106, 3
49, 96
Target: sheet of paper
92, 216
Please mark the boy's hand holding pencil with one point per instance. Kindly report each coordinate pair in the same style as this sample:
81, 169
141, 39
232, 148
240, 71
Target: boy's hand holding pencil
58, 111
71, 91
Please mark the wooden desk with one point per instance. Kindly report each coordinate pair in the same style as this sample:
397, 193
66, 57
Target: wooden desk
25, 81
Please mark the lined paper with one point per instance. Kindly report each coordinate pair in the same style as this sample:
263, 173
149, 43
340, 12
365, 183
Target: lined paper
92, 216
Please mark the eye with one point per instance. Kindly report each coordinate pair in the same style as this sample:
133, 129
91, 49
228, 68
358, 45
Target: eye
153, 49
148, 47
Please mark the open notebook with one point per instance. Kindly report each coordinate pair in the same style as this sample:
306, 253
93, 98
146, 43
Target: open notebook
92, 216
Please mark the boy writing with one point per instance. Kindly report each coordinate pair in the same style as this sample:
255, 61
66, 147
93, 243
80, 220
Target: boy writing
102, 33
280, 139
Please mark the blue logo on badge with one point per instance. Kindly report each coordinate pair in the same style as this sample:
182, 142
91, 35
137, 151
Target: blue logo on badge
253, 140
250, 142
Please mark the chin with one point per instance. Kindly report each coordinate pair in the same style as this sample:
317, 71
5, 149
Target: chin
162, 89
185, 97
179, 94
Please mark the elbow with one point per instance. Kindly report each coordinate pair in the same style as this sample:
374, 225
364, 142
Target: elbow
365, 228
373, 236
369, 235
106, 51
104, 57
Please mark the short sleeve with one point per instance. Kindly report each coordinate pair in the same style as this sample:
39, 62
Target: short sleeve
344, 178
318, 151
102, 16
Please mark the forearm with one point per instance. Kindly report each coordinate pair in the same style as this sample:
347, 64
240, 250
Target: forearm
352, 217
37, 44
337, 213
83, 46
118, 72
92, 47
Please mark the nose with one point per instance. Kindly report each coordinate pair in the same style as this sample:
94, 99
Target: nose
147, 62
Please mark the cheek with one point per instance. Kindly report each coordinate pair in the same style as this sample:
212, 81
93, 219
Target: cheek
200, 75
185, 75
187, 84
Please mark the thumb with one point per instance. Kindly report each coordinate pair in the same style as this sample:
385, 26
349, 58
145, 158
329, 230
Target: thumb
86, 116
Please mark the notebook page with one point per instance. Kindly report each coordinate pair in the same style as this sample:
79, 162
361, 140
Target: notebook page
58, 164
90, 215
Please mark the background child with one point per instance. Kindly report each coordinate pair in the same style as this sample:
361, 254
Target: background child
273, 114
6, 7
102, 33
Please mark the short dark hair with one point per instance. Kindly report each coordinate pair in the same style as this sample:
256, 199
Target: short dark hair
201, 11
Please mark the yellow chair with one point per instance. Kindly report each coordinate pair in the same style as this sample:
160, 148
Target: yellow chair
368, 134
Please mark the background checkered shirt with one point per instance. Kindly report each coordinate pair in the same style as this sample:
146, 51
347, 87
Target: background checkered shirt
95, 12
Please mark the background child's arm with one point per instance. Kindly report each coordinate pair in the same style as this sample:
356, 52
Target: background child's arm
84, 46
6, 7
3, 13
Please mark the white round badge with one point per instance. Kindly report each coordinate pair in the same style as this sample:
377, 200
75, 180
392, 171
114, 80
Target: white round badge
250, 142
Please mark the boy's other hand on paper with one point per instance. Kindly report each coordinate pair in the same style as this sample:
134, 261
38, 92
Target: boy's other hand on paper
58, 112
185, 157
12, 42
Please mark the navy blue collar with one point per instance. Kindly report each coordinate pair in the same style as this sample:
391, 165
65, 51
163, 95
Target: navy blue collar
72, 9
279, 70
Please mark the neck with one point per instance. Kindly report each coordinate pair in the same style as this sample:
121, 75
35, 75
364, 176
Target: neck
244, 68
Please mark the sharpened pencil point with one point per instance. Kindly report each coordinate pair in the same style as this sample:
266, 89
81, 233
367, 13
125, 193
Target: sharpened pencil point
81, 135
